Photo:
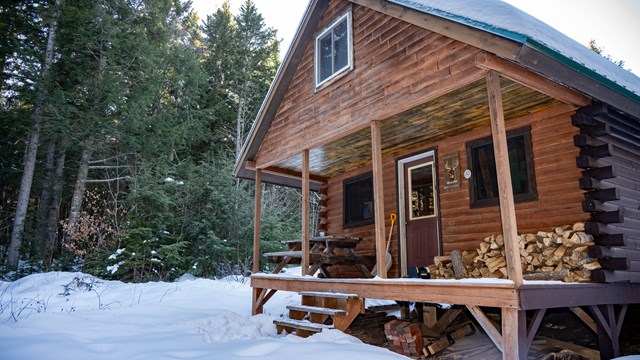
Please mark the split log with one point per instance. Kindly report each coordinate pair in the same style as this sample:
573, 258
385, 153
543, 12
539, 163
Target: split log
559, 254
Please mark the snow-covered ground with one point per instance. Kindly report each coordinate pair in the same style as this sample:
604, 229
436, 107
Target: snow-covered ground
61, 315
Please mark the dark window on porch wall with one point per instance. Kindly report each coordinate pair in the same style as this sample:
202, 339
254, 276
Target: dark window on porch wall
358, 200
483, 185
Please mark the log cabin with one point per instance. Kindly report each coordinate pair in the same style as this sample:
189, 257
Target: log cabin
466, 119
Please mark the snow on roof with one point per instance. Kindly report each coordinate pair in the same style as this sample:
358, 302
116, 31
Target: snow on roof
507, 21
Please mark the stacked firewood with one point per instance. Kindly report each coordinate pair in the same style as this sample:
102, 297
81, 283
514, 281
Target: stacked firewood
559, 254
404, 338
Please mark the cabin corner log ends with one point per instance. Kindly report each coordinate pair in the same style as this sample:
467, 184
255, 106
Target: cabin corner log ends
609, 143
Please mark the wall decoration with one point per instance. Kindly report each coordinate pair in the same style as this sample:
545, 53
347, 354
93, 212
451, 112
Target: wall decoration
451, 171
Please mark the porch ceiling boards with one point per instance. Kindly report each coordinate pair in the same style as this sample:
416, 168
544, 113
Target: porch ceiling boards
459, 111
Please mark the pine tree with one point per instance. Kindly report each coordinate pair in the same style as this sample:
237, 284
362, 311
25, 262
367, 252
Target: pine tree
241, 60
593, 46
13, 253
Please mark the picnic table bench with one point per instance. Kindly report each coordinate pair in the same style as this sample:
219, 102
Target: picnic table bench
322, 255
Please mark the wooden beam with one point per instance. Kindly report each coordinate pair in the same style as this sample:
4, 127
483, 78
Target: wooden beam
466, 34
414, 290
585, 318
305, 212
488, 326
609, 326
378, 199
291, 174
505, 189
256, 222
530, 79
533, 327
514, 334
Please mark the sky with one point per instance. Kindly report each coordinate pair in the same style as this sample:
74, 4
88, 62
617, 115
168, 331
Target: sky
614, 24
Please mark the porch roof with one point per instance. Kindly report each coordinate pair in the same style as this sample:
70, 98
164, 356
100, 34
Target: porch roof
462, 110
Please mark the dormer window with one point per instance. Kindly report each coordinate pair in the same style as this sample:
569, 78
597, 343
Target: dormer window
334, 50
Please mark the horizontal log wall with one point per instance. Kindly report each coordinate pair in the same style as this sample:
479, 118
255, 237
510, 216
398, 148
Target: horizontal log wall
463, 228
393, 63
609, 144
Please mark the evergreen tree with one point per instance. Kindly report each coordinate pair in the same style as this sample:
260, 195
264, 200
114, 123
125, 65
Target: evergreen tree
41, 93
142, 114
593, 46
241, 60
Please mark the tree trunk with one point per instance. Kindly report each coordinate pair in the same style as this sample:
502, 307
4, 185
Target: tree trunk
78, 192
240, 120
13, 254
54, 207
45, 197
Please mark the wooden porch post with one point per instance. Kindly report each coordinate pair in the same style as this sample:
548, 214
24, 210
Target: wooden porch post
505, 189
514, 333
378, 199
256, 222
305, 212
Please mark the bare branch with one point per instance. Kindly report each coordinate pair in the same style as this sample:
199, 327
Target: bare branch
108, 166
109, 158
109, 180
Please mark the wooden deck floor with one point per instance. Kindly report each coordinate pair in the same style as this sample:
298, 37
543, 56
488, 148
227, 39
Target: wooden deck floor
478, 292
497, 293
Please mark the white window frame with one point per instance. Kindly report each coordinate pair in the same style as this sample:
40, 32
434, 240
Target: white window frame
344, 69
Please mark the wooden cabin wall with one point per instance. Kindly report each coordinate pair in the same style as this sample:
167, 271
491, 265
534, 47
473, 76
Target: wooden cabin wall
559, 194
609, 143
396, 65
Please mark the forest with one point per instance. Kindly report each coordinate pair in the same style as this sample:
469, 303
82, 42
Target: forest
121, 121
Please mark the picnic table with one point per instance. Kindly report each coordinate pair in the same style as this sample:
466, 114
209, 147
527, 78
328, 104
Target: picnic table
322, 255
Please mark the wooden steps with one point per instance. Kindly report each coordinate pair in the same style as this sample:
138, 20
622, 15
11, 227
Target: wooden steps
302, 328
319, 308
329, 295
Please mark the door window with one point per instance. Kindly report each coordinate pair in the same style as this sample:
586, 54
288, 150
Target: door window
423, 200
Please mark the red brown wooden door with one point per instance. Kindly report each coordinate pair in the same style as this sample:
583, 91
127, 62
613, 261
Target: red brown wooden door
421, 212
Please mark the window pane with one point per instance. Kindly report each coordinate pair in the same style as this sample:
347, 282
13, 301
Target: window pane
422, 195
518, 165
326, 57
484, 170
358, 204
340, 45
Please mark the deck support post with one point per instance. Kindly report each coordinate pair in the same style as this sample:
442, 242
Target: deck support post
515, 338
256, 222
533, 327
378, 199
514, 334
505, 189
257, 305
609, 327
305, 212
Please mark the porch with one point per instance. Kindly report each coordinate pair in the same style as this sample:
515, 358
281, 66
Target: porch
515, 335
